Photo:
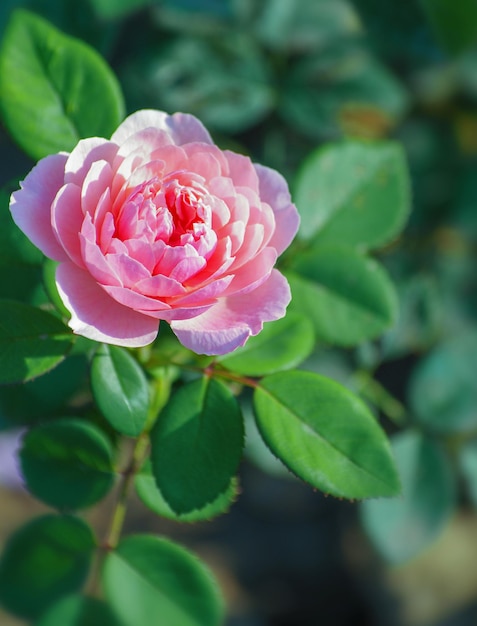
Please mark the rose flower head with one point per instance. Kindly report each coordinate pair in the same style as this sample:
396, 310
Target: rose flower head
158, 223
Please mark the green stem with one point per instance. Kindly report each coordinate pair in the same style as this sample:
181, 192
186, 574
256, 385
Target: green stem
119, 513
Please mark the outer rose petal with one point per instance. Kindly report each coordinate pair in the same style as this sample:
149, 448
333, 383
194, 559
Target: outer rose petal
31, 205
274, 191
181, 127
228, 324
97, 316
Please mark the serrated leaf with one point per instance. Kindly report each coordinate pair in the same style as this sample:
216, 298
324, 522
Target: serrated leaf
150, 580
283, 344
44, 560
196, 444
32, 342
120, 389
401, 527
325, 435
151, 496
67, 463
353, 193
347, 295
48, 106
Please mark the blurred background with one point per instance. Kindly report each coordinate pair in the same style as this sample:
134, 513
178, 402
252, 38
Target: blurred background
276, 79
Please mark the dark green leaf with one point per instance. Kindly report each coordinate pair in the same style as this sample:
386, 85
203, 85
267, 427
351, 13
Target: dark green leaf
149, 580
44, 397
78, 610
225, 82
32, 342
455, 23
151, 496
443, 389
342, 90
67, 463
120, 389
283, 344
43, 561
354, 193
468, 466
325, 435
20, 260
62, 90
197, 445
402, 527
347, 295
302, 25
115, 9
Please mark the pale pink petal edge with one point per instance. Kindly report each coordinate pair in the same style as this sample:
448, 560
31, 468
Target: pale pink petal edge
274, 191
30, 206
229, 323
183, 128
97, 316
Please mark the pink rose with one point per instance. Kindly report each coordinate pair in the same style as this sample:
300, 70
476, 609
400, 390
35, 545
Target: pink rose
157, 224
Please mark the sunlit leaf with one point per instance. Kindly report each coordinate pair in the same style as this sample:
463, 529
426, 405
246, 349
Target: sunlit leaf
325, 435
120, 389
150, 580
48, 106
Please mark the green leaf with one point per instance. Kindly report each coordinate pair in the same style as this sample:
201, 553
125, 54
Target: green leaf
46, 396
301, 26
120, 389
342, 90
62, 91
44, 560
67, 463
150, 580
78, 610
442, 388
223, 81
49, 283
32, 342
468, 466
116, 9
347, 295
455, 23
325, 435
354, 193
20, 260
401, 527
197, 445
151, 496
283, 344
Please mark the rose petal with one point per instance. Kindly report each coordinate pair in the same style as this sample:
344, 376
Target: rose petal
85, 153
181, 127
67, 218
31, 205
97, 316
228, 324
274, 191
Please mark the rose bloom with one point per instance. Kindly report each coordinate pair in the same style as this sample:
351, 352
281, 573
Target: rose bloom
158, 223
